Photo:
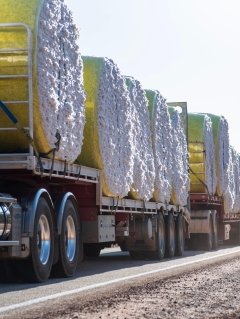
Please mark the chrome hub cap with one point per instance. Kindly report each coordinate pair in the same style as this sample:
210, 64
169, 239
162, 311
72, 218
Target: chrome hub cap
43, 239
70, 238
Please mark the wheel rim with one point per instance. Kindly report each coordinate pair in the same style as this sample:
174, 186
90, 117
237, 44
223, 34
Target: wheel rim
43, 240
161, 239
172, 235
70, 238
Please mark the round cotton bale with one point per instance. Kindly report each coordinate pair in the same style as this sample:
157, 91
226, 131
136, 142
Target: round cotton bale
58, 95
180, 175
143, 169
222, 154
238, 187
107, 141
201, 151
162, 145
229, 193
236, 172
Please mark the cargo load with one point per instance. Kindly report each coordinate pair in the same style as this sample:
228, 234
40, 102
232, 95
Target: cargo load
129, 170
57, 90
143, 169
222, 153
231, 195
237, 181
107, 141
226, 164
162, 145
180, 175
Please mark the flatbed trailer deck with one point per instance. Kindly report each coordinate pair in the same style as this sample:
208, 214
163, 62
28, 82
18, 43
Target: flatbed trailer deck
135, 225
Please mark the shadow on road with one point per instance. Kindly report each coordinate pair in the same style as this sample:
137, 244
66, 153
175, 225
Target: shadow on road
110, 259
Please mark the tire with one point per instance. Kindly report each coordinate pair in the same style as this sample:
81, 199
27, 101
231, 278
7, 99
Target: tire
122, 246
180, 236
160, 238
9, 271
37, 267
170, 235
136, 255
3, 273
68, 244
92, 250
215, 235
234, 237
208, 238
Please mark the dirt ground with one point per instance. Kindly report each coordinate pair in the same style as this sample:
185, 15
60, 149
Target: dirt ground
213, 292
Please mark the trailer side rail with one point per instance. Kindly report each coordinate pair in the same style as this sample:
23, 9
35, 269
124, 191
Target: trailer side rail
136, 206
59, 169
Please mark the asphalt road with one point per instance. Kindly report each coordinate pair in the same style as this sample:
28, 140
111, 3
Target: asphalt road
112, 271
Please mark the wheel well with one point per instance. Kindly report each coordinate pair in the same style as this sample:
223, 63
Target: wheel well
47, 197
75, 204
161, 210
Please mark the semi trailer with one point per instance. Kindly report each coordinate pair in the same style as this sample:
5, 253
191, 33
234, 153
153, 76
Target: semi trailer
53, 213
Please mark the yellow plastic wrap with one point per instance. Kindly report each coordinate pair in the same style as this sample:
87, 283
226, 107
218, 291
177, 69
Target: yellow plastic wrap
90, 155
196, 125
21, 11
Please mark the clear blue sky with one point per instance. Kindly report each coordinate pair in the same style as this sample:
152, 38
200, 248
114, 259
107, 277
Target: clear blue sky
187, 49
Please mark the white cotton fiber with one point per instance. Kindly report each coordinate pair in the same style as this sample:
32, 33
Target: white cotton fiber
114, 128
162, 145
143, 169
211, 178
60, 79
223, 156
236, 172
180, 175
229, 193
108, 141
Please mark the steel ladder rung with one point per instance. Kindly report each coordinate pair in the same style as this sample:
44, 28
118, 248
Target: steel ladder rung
13, 50
15, 102
13, 76
14, 154
11, 128
10, 162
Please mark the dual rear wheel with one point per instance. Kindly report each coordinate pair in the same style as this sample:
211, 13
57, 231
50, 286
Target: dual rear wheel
68, 243
39, 265
175, 236
169, 238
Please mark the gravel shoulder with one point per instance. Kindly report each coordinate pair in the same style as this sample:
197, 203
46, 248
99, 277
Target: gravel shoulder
211, 292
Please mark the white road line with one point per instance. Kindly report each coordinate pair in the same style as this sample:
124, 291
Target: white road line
106, 283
